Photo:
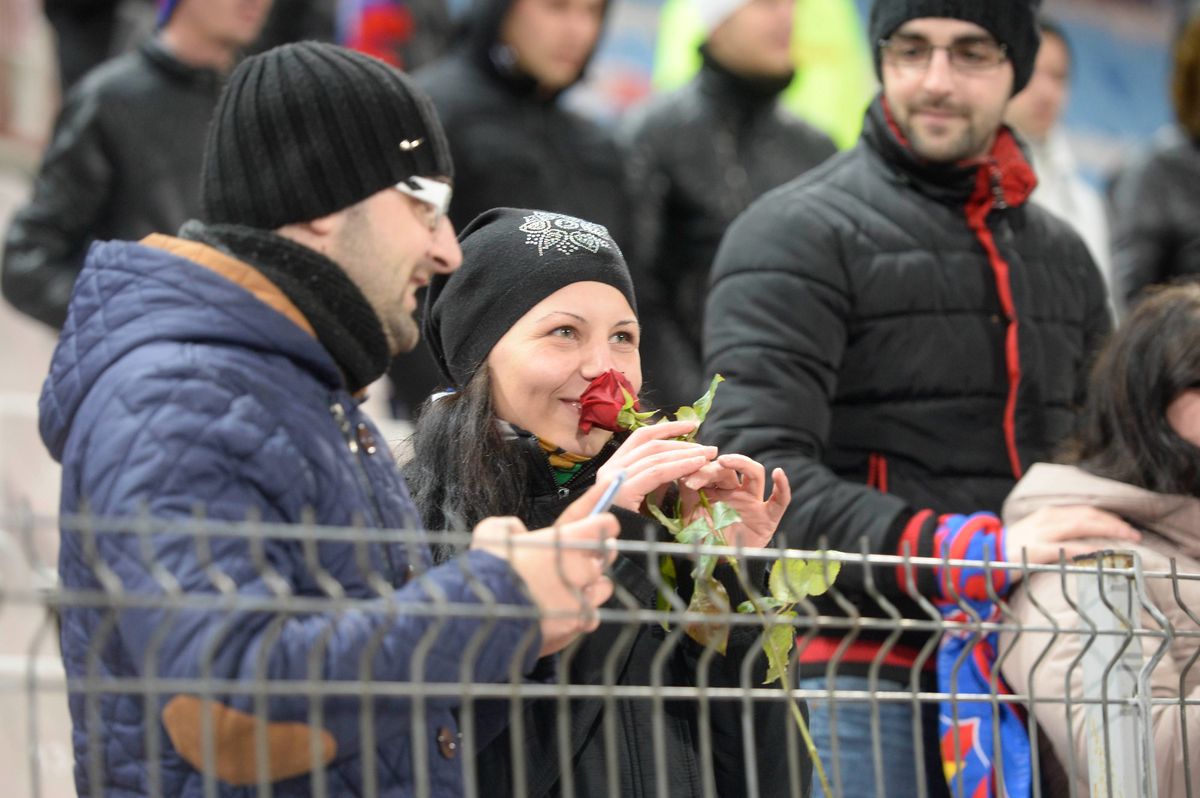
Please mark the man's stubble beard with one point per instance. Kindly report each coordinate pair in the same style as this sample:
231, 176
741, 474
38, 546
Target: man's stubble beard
405, 334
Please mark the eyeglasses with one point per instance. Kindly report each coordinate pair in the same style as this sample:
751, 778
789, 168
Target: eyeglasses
434, 196
969, 55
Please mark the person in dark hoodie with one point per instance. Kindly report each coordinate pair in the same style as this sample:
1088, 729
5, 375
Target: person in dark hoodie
904, 334
699, 156
127, 149
513, 143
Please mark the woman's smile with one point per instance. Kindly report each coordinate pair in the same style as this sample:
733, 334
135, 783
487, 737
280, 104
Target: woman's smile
574, 335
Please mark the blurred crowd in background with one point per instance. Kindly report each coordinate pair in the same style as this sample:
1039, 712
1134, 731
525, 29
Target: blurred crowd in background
120, 167
662, 120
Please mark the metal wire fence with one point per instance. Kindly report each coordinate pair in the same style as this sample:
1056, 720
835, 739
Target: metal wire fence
1099, 655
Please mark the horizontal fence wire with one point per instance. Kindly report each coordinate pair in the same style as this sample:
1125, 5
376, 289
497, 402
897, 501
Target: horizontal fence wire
210, 658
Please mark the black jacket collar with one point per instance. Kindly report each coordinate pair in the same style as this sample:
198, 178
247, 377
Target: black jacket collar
200, 78
746, 95
945, 182
542, 482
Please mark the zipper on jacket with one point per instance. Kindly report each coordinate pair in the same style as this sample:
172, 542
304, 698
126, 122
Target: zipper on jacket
564, 490
977, 221
364, 479
998, 199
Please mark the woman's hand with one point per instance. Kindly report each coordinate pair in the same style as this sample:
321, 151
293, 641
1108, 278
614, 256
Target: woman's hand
650, 460
739, 481
1074, 530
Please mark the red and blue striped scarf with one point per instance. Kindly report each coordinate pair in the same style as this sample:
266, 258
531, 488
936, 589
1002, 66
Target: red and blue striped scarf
974, 734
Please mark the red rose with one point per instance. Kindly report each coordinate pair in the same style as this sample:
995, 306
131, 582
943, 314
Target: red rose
603, 402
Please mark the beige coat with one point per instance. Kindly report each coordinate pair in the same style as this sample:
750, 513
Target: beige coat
1171, 527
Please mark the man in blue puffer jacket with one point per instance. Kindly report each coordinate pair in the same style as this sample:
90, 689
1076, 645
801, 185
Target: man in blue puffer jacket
223, 370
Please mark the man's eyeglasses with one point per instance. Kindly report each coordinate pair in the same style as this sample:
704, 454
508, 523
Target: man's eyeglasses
969, 55
434, 196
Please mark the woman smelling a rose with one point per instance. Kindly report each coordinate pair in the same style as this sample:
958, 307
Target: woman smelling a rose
538, 333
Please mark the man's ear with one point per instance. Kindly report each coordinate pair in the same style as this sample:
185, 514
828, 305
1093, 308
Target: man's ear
326, 225
315, 233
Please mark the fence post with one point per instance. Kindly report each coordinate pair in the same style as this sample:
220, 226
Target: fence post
1114, 728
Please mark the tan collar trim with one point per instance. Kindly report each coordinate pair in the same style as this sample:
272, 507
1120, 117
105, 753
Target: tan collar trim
235, 271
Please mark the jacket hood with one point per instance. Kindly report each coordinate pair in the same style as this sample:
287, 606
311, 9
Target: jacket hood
481, 38
130, 295
1174, 518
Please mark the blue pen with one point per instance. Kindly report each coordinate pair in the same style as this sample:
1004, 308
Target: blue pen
609, 495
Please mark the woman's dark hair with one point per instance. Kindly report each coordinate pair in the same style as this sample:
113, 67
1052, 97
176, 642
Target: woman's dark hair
463, 468
1153, 358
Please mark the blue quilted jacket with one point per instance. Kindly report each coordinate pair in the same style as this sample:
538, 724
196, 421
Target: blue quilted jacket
174, 388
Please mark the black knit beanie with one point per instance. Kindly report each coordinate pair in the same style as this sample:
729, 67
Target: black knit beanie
1013, 23
304, 130
512, 260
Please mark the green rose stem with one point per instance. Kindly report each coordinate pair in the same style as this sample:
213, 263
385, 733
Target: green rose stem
790, 580
793, 578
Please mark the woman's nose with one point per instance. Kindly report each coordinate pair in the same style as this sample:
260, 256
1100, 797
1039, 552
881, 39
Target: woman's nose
597, 359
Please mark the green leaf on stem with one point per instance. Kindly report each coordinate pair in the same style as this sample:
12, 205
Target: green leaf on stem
628, 417
723, 516
673, 525
686, 414
792, 580
630, 399
825, 572
781, 638
709, 598
695, 532
704, 403
705, 565
765, 604
666, 569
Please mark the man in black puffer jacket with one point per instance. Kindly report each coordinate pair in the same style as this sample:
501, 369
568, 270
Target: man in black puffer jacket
699, 156
127, 149
904, 335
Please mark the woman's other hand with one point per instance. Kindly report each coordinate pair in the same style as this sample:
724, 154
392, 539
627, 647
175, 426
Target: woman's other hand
740, 481
651, 459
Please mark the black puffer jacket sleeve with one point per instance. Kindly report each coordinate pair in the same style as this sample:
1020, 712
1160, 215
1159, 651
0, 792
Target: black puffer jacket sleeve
1142, 235
776, 329
49, 237
1155, 235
